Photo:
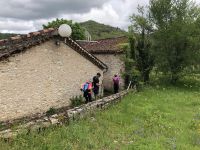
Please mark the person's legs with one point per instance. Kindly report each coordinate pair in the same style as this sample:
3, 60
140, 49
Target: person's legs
86, 97
96, 92
116, 88
89, 97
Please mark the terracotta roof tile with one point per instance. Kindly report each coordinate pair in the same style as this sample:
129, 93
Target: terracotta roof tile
20, 43
16, 38
110, 45
35, 33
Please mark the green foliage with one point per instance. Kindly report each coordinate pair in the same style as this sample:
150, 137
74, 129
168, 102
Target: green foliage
176, 37
161, 117
140, 43
123, 46
131, 73
76, 101
132, 42
6, 35
101, 31
51, 111
194, 69
78, 32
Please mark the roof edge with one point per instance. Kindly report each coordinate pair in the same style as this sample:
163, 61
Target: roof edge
17, 44
107, 51
74, 45
21, 43
111, 38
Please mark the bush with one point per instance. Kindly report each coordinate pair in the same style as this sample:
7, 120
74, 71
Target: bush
131, 73
76, 101
51, 111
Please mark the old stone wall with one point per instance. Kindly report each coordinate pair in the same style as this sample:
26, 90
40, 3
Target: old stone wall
115, 66
42, 77
60, 118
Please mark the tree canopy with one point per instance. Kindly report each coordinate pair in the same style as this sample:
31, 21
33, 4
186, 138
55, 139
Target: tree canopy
140, 43
78, 33
176, 35
169, 32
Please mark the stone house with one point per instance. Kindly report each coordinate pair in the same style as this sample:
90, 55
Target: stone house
111, 53
41, 70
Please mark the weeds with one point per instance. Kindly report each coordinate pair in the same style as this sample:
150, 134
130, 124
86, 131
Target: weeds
77, 101
51, 111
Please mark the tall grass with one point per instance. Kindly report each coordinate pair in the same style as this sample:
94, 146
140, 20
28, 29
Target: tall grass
159, 117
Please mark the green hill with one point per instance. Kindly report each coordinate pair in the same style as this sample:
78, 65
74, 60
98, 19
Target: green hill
97, 31
6, 35
101, 31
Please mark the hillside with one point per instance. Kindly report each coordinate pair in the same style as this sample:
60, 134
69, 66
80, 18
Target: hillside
6, 35
97, 31
101, 31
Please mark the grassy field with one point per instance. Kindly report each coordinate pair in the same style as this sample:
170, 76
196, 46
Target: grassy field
157, 118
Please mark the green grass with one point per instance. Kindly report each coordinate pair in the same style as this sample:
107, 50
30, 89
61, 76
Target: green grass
157, 118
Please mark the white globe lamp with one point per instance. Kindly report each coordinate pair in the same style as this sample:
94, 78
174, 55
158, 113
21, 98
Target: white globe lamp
65, 30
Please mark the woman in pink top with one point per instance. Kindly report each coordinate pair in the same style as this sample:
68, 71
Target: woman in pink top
116, 84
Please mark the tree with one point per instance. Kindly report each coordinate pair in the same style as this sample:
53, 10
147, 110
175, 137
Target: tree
140, 43
176, 36
78, 33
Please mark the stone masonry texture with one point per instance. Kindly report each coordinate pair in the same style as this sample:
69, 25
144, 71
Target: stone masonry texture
44, 76
115, 66
61, 118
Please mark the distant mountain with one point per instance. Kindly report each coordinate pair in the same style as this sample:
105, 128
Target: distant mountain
6, 35
96, 30
102, 31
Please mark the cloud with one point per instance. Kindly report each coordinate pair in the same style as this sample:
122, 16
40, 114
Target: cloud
16, 26
114, 13
40, 9
23, 16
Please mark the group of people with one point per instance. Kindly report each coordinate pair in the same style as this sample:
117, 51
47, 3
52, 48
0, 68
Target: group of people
91, 86
94, 85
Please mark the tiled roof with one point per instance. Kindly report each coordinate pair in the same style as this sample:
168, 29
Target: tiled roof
74, 45
17, 44
20, 43
104, 46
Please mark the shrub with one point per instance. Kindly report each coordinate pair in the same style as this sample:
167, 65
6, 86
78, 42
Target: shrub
51, 111
76, 101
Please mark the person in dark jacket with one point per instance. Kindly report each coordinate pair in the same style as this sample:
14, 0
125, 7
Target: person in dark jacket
96, 85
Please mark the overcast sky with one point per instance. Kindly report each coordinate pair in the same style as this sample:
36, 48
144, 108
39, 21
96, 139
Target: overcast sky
23, 16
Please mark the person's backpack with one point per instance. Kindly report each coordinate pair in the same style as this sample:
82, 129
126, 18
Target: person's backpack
85, 87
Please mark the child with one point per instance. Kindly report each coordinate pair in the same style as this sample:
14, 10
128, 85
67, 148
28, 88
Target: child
87, 91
